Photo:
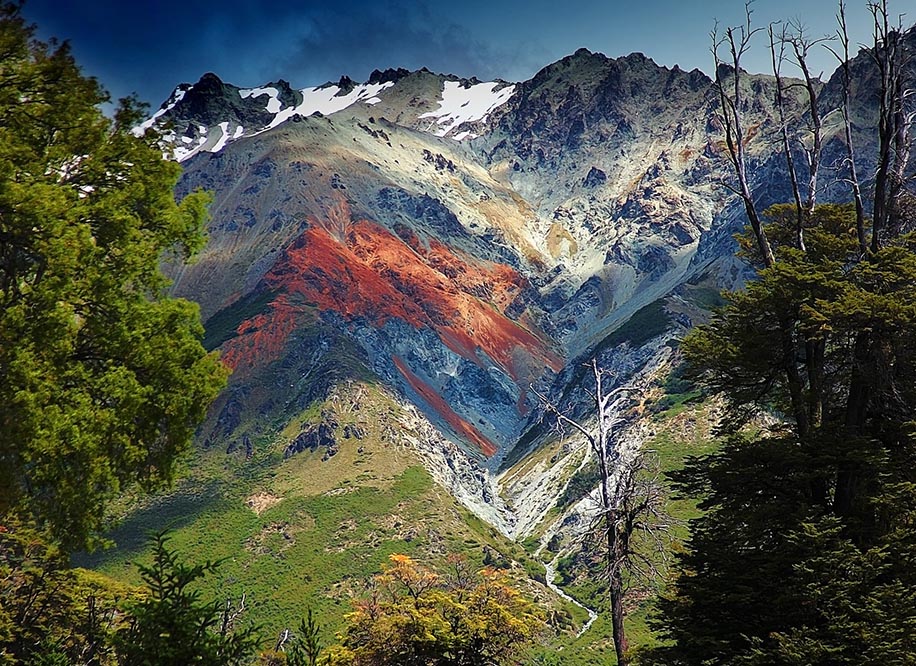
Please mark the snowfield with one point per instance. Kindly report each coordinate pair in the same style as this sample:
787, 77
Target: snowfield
462, 104
327, 100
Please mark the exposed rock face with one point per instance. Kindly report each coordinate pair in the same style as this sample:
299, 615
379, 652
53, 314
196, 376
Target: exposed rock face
462, 241
314, 437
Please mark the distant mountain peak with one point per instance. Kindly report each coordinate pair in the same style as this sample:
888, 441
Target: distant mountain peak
345, 85
209, 115
209, 79
389, 75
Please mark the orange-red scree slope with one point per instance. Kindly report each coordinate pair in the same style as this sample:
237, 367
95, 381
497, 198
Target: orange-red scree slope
434, 400
365, 270
358, 268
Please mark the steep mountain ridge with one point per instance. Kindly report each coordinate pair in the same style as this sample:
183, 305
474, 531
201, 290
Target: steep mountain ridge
464, 241
208, 115
395, 267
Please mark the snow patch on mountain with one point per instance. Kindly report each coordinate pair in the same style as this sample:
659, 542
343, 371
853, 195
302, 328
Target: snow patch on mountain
223, 138
273, 97
461, 136
462, 107
463, 103
325, 100
191, 146
176, 96
328, 100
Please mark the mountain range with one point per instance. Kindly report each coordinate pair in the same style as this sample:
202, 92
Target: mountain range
464, 246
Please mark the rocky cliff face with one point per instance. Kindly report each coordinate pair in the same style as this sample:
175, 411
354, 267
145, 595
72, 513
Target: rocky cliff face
461, 242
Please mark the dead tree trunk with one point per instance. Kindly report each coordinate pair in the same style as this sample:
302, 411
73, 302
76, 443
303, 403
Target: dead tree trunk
777, 57
631, 503
737, 41
843, 34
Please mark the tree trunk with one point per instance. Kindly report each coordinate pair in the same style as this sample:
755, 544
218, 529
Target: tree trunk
615, 577
860, 386
793, 376
617, 614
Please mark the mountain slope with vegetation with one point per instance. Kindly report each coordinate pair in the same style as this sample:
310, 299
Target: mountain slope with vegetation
456, 315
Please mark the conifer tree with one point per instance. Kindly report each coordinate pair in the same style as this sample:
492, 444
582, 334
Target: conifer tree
102, 375
173, 626
804, 554
307, 647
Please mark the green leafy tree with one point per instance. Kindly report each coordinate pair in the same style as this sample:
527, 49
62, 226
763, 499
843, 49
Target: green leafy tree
172, 626
102, 376
416, 617
804, 554
50, 613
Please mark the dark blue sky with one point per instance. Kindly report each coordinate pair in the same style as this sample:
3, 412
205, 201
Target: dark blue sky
150, 46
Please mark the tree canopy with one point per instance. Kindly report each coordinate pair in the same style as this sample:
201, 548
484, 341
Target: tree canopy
804, 554
418, 617
172, 626
102, 375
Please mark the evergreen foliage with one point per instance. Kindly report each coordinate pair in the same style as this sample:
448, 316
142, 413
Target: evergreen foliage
50, 613
307, 646
102, 376
804, 555
172, 626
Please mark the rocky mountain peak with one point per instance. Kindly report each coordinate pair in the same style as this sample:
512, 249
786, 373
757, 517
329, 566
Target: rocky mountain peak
864, 73
389, 75
345, 86
209, 80
459, 243
470, 239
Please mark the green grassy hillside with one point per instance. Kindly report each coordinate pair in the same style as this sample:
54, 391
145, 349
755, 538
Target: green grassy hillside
310, 530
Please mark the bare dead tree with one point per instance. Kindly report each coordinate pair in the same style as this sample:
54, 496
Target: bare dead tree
282, 639
793, 36
804, 373
643, 524
855, 186
736, 41
885, 119
777, 54
894, 121
631, 510
231, 614
801, 46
